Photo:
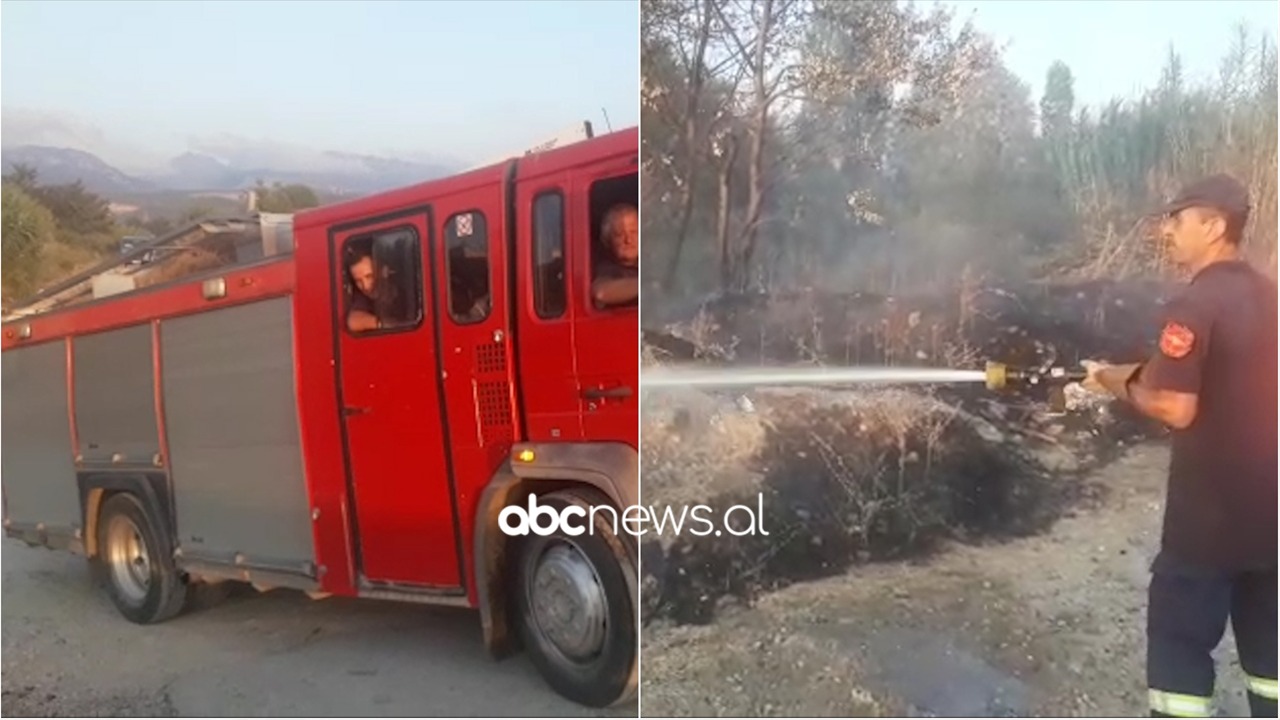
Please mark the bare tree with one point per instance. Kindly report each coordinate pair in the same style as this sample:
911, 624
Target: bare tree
684, 32
765, 36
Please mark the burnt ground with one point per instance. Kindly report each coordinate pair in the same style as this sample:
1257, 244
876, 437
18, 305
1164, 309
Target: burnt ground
1046, 625
858, 474
931, 550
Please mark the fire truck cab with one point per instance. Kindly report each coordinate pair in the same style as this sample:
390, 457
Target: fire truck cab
344, 405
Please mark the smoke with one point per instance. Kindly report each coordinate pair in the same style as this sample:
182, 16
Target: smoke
242, 152
29, 126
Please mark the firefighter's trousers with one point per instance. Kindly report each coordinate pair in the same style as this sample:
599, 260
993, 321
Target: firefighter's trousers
1186, 618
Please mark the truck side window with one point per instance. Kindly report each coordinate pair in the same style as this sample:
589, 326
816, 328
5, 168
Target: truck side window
466, 237
548, 255
383, 281
615, 246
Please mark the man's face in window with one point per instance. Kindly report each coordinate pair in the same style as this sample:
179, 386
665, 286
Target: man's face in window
362, 275
626, 238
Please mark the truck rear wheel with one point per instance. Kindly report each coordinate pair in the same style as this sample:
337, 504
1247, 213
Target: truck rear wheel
576, 596
136, 563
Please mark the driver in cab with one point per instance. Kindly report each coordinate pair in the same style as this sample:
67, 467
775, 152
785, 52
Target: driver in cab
362, 314
617, 278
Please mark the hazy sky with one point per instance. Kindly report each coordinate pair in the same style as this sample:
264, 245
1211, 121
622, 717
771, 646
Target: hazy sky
1114, 47
139, 82
465, 80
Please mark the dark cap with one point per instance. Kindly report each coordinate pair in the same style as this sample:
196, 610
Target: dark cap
1220, 192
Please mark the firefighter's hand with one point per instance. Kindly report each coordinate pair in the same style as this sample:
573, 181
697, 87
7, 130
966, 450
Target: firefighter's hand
1094, 370
1109, 379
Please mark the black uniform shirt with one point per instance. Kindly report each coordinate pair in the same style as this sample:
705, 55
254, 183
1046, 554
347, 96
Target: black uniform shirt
1219, 342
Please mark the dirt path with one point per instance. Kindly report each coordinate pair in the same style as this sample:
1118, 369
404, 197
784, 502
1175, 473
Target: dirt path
1048, 625
68, 653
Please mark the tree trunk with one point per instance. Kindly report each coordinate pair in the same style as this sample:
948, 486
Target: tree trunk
759, 126
722, 214
693, 99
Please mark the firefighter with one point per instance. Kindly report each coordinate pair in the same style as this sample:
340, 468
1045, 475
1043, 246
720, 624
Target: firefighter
1213, 382
617, 278
362, 316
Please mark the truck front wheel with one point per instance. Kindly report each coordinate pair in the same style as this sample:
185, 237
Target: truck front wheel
576, 596
135, 562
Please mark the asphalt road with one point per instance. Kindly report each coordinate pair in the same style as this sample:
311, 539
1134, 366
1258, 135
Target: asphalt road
67, 652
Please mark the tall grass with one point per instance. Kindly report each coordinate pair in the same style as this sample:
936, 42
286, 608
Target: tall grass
1119, 162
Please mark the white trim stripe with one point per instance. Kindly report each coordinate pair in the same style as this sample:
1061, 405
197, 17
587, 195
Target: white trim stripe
1179, 705
1262, 687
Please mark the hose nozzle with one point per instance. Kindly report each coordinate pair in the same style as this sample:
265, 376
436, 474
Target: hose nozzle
997, 375
1000, 376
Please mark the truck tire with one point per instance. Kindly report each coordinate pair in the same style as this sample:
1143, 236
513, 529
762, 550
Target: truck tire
577, 606
136, 562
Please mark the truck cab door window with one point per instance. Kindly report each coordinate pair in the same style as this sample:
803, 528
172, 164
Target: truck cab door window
548, 255
615, 266
382, 281
467, 266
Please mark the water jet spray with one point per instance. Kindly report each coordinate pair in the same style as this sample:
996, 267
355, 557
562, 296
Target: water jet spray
996, 376
661, 377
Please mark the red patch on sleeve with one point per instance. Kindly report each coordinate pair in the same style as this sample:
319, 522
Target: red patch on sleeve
1177, 340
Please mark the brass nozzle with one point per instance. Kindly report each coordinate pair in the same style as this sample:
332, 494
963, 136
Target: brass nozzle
997, 375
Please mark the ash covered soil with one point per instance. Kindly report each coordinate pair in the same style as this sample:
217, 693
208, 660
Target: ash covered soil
1046, 625
932, 550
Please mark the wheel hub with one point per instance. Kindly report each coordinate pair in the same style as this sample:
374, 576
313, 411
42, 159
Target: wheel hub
127, 558
568, 602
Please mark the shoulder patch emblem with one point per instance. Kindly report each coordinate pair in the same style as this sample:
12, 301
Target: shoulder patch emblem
1177, 340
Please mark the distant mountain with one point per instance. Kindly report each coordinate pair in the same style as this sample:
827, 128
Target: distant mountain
330, 173
57, 165
193, 171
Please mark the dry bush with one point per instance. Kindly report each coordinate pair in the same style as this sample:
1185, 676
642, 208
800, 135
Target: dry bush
186, 262
651, 356
60, 260
1021, 324
696, 446
845, 478
704, 336
894, 471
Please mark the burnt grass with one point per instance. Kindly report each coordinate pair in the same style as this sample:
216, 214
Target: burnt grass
895, 475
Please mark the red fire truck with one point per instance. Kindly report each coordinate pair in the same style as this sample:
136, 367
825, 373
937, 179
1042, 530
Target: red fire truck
210, 415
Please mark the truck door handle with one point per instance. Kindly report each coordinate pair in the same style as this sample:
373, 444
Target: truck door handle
618, 391
353, 411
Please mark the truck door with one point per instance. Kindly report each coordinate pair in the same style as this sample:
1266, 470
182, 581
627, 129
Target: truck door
475, 347
549, 380
391, 393
606, 338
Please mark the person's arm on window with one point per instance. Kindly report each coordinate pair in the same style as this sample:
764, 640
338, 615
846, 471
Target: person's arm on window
361, 321
608, 292
362, 316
